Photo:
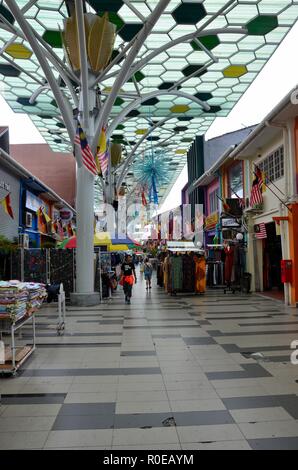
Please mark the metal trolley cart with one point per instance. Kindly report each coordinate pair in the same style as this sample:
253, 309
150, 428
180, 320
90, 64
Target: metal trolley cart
14, 355
61, 311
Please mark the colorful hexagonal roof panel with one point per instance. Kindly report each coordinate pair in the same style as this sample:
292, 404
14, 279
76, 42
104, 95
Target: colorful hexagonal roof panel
196, 63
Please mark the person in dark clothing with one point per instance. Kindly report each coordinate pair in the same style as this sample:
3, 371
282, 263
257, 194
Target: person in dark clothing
129, 277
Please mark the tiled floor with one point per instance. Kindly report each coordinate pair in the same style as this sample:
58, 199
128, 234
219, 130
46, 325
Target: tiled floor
162, 373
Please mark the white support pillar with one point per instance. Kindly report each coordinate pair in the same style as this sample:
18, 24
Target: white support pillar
85, 295
85, 224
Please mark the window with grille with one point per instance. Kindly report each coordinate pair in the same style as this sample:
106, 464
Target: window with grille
273, 165
213, 201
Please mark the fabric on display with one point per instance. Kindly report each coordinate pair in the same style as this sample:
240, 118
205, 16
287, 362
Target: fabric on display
229, 263
200, 274
188, 272
177, 277
17, 298
183, 272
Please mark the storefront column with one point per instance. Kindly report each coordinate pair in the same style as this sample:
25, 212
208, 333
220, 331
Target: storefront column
252, 265
293, 239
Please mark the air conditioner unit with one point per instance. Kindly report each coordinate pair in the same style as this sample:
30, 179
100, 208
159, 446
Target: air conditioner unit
24, 240
28, 219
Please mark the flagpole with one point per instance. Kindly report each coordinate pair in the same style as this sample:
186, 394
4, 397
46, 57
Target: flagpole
280, 200
228, 213
271, 182
238, 197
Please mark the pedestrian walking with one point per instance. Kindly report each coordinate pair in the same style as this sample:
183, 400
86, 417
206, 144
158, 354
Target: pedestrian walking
129, 277
148, 273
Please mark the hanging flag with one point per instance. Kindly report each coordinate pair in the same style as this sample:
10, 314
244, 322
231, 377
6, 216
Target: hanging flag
260, 231
55, 226
242, 203
87, 156
102, 155
6, 204
261, 175
69, 229
47, 218
226, 206
256, 197
144, 200
60, 229
41, 217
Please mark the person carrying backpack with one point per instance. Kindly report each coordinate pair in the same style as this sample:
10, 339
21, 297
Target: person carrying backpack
148, 273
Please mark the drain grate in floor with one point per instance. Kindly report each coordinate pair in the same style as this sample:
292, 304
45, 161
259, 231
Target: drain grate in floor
169, 422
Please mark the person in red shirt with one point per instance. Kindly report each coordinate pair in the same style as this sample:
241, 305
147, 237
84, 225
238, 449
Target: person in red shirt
128, 277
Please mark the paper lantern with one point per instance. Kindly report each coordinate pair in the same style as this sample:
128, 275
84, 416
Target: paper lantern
116, 154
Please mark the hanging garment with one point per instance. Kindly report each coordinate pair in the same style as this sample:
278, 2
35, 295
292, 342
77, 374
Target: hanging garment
165, 273
176, 273
229, 251
188, 272
200, 274
210, 268
239, 262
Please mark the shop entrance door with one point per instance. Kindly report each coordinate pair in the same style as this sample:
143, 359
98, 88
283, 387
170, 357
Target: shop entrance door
272, 256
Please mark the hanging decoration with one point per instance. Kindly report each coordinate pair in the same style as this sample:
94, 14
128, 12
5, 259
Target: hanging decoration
116, 153
100, 38
152, 172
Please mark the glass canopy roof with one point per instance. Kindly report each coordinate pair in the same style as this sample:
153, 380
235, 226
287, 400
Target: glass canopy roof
227, 44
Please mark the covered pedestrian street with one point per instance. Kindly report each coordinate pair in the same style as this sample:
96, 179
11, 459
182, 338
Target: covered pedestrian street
162, 373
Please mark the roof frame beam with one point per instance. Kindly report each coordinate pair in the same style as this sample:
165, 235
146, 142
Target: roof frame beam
55, 60
148, 96
61, 100
123, 74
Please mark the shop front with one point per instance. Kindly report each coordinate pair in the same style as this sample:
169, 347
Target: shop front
34, 224
211, 229
271, 260
270, 208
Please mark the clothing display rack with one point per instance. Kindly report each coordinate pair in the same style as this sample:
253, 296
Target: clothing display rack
215, 266
236, 279
182, 270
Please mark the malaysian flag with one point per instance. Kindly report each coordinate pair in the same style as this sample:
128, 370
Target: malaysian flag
256, 197
102, 154
260, 231
87, 156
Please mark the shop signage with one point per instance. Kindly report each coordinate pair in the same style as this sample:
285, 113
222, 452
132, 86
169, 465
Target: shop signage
66, 214
33, 202
211, 221
230, 223
4, 185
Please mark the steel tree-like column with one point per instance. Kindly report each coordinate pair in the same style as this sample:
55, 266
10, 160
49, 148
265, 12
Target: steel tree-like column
85, 294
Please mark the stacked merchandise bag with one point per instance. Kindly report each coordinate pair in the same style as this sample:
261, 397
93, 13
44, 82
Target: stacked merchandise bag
17, 298
36, 294
13, 299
